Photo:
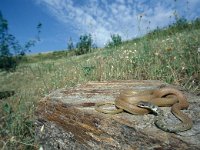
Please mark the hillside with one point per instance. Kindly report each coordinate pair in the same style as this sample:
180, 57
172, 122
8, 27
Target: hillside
171, 55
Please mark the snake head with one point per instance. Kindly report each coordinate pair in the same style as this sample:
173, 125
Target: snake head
155, 109
144, 104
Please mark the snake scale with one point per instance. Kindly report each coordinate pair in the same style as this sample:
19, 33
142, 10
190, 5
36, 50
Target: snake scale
148, 101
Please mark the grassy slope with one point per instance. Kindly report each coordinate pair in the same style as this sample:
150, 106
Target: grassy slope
169, 55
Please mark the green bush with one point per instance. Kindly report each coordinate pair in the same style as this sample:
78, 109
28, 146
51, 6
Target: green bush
84, 45
116, 40
70, 45
8, 63
10, 49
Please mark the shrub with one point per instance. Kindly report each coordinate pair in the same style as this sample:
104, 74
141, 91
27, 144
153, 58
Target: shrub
8, 63
70, 45
84, 45
116, 40
9, 46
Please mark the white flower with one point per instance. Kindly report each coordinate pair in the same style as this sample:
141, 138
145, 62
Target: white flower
42, 128
41, 148
12, 139
198, 50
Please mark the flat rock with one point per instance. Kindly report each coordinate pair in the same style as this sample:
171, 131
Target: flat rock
66, 119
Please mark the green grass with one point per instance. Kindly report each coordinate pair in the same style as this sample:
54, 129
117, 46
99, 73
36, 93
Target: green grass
170, 55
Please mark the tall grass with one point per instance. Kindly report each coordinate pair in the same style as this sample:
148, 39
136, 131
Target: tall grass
171, 55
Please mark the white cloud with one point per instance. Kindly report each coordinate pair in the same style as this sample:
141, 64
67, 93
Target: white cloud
102, 18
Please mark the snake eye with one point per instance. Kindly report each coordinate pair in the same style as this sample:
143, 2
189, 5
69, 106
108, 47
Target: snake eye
141, 104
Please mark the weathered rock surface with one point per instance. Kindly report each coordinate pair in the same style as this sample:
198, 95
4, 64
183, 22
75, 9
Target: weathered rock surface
66, 119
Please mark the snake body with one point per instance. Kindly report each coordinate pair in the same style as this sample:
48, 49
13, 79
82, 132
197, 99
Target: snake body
146, 101
159, 120
154, 98
129, 100
186, 122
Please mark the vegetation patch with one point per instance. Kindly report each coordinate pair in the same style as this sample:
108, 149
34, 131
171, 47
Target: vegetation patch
171, 54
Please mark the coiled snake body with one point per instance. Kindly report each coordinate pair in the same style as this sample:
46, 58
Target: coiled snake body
186, 122
149, 100
159, 120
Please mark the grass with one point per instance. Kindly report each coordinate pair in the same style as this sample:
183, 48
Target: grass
170, 55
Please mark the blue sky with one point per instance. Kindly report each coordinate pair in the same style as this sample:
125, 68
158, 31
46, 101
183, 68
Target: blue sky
63, 19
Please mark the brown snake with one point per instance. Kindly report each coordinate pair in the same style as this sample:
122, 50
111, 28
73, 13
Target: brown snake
128, 100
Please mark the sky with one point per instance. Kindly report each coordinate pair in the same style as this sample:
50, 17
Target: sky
65, 19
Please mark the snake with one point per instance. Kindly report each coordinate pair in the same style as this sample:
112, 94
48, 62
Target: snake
159, 120
130, 101
186, 122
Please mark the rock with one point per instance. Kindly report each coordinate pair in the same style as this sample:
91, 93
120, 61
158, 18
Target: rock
66, 119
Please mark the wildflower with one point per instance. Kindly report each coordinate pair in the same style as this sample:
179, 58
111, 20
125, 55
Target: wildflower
126, 57
42, 129
198, 50
12, 139
41, 148
167, 39
193, 82
169, 49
